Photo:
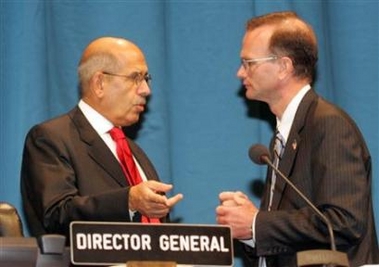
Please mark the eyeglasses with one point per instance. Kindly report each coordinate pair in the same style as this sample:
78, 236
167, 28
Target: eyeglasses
136, 77
247, 63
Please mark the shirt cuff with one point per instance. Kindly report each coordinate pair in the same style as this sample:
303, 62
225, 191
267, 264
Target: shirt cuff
251, 242
131, 214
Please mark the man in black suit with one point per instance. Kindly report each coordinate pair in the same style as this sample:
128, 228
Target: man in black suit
325, 155
70, 168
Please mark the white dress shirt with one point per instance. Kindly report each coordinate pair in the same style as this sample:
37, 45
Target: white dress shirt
283, 125
102, 126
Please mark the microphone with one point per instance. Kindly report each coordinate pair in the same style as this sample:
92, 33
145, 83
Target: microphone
260, 155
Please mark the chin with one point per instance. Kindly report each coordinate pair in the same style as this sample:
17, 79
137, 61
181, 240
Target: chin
130, 121
135, 119
249, 96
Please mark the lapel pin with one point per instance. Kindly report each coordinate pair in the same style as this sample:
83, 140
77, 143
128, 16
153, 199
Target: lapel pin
294, 144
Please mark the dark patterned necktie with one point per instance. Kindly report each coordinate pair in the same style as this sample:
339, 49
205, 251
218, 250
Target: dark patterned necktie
127, 163
278, 153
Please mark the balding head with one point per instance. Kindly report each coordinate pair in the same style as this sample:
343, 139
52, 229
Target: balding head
109, 54
105, 45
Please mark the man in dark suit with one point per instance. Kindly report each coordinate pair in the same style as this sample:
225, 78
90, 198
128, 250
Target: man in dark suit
70, 168
325, 156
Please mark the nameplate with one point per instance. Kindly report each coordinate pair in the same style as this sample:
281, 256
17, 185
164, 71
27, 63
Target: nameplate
110, 243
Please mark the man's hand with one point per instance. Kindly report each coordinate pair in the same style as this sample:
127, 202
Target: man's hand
237, 211
149, 199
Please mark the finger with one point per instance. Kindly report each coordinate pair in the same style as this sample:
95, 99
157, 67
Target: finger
225, 195
222, 210
230, 203
157, 212
220, 220
157, 198
158, 186
239, 200
222, 215
173, 200
240, 194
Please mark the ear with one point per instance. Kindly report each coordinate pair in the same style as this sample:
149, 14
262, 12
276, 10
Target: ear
286, 67
97, 84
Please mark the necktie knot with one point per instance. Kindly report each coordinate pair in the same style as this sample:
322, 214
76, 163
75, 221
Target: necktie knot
117, 134
279, 145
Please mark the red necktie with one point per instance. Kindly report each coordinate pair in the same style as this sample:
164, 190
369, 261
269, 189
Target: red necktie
127, 163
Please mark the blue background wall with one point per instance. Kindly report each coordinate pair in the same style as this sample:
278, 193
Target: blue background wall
199, 127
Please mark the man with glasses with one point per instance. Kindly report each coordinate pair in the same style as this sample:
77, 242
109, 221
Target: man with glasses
322, 152
71, 169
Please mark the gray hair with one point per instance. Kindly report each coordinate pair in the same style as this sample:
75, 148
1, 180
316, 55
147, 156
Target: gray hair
103, 61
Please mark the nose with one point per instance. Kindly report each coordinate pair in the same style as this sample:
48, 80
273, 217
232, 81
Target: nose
241, 73
144, 89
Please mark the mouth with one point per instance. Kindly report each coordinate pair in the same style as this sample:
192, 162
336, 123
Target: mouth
140, 107
246, 85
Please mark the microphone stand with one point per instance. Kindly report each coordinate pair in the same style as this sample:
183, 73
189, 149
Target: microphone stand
323, 257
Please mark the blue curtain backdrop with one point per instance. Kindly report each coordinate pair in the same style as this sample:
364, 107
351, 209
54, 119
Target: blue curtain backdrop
198, 128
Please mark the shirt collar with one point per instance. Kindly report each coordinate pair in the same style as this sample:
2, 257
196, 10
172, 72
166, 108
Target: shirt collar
284, 125
98, 121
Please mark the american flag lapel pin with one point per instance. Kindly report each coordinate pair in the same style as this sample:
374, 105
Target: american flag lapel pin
294, 144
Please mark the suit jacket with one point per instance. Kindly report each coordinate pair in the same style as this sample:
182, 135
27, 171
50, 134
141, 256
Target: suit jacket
327, 159
68, 173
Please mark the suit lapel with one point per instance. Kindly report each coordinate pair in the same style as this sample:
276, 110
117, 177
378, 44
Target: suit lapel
143, 161
292, 145
97, 149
